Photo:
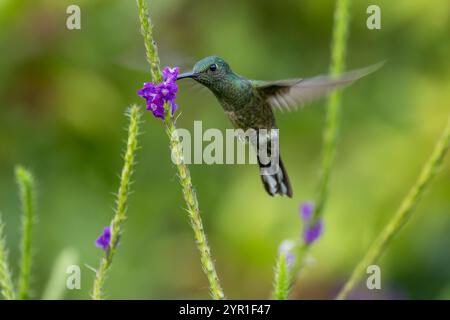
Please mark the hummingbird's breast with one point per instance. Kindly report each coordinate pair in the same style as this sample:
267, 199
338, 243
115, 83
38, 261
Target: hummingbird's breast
256, 113
243, 104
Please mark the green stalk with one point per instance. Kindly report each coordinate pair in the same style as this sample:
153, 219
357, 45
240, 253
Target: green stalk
184, 175
25, 182
151, 50
121, 202
6, 284
282, 281
56, 284
333, 107
334, 102
403, 213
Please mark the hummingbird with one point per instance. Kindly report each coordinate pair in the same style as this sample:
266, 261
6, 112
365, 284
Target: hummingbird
250, 104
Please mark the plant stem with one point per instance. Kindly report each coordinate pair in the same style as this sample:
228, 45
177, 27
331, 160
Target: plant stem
6, 284
282, 278
151, 49
56, 284
25, 182
184, 175
403, 213
190, 198
337, 66
121, 202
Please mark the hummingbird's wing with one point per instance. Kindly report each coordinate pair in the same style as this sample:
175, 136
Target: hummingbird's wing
293, 93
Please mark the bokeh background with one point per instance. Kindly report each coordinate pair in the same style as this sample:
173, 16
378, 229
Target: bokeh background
63, 95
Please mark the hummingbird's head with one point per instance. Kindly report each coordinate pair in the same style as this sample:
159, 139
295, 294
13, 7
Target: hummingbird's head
209, 71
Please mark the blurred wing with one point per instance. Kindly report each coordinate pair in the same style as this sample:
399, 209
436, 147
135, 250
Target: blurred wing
294, 93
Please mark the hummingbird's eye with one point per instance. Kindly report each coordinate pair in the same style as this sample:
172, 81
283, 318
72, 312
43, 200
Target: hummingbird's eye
213, 67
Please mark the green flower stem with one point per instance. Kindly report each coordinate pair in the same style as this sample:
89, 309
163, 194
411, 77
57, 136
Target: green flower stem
25, 182
337, 66
403, 213
190, 197
121, 202
56, 285
282, 280
184, 175
151, 49
6, 284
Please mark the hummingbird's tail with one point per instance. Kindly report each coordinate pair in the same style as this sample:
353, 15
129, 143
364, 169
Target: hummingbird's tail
278, 182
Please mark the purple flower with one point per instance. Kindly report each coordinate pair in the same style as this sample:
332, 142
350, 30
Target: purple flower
312, 230
104, 241
286, 248
170, 74
306, 210
156, 95
168, 90
312, 233
147, 91
156, 105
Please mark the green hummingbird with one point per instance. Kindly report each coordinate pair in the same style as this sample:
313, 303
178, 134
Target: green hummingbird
250, 104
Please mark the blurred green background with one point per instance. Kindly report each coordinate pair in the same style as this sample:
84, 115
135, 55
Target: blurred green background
63, 95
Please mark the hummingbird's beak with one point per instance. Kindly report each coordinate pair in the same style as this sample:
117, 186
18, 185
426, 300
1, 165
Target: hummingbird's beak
186, 75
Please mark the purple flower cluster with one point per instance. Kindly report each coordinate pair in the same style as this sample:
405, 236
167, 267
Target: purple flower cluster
156, 95
104, 241
311, 231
